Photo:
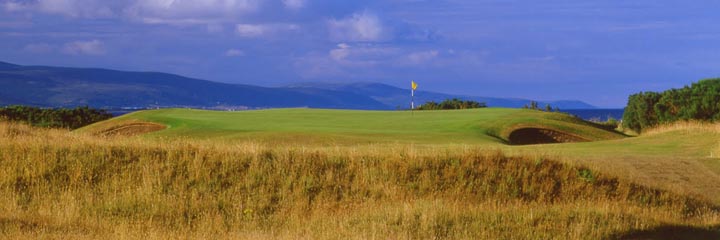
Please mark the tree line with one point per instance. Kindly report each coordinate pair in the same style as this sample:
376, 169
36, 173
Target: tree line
535, 106
71, 118
454, 103
699, 101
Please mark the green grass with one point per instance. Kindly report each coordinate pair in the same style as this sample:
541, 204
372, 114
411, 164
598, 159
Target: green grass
60, 185
677, 160
329, 174
491, 125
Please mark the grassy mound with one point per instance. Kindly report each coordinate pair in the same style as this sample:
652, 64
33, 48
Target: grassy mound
62, 185
130, 128
353, 127
681, 158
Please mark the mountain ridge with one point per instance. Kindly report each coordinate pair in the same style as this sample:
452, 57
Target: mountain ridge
395, 96
48, 86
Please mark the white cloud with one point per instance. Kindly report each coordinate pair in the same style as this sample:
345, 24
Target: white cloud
215, 28
637, 26
234, 53
422, 57
369, 59
294, 4
362, 54
71, 8
92, 47
147, 11
341, 52
250, 30
358, 27
38, 48
262, 30
14, 6
348, 60
189, 11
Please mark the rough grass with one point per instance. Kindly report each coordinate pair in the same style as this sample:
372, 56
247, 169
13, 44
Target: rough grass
55, 184
688, 126
680, 157
674, 157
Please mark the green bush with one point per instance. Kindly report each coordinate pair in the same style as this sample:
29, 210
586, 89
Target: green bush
54, 117
451, 104
699, 101
586, 175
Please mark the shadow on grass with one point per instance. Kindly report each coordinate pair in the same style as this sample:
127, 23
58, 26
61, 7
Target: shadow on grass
16, 225
672, 232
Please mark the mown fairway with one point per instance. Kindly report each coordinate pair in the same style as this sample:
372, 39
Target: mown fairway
345, 127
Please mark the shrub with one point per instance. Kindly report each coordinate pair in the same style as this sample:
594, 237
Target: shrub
54, 117
451, 104
699, 101
586, 175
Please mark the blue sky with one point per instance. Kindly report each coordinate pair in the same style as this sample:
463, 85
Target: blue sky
595, 51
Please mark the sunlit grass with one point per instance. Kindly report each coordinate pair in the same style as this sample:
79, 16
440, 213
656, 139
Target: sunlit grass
56, 184
320, 127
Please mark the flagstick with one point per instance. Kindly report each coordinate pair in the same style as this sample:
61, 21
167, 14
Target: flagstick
412, 102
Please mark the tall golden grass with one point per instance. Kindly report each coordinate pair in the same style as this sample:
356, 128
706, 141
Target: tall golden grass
56, 184
688, 126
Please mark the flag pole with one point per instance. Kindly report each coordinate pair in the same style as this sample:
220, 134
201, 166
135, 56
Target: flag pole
412, 100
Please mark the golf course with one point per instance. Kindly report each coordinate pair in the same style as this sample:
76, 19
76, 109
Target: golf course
677, 158
383, 119
490, 173
353, 127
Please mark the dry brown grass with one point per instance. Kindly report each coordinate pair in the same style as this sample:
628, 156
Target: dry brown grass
687, 126
55, 184
131, 129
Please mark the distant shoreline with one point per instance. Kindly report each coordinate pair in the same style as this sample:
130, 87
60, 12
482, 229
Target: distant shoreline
596, 114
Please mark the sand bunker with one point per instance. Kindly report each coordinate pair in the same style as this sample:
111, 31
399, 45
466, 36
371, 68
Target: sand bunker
132, 129
526, 136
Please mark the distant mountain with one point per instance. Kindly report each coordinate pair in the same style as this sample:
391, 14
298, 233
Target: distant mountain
7, 66
58, 86
398, 97
67, 87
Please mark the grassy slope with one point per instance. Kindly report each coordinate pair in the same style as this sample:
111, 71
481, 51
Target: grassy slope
678, 159
352, 127
59, 185
675, 160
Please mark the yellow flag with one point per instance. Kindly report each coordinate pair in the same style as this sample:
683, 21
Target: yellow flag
413, 85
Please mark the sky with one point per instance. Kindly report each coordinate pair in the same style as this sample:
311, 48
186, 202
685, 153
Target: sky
594, 51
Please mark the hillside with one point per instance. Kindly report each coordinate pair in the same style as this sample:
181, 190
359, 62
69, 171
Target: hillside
394, 96
67, 87
62, 185
55, 86
677, 160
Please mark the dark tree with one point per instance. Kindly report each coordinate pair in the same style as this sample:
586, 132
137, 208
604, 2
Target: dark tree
699, 101
54, 117
534, 105
451, 104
